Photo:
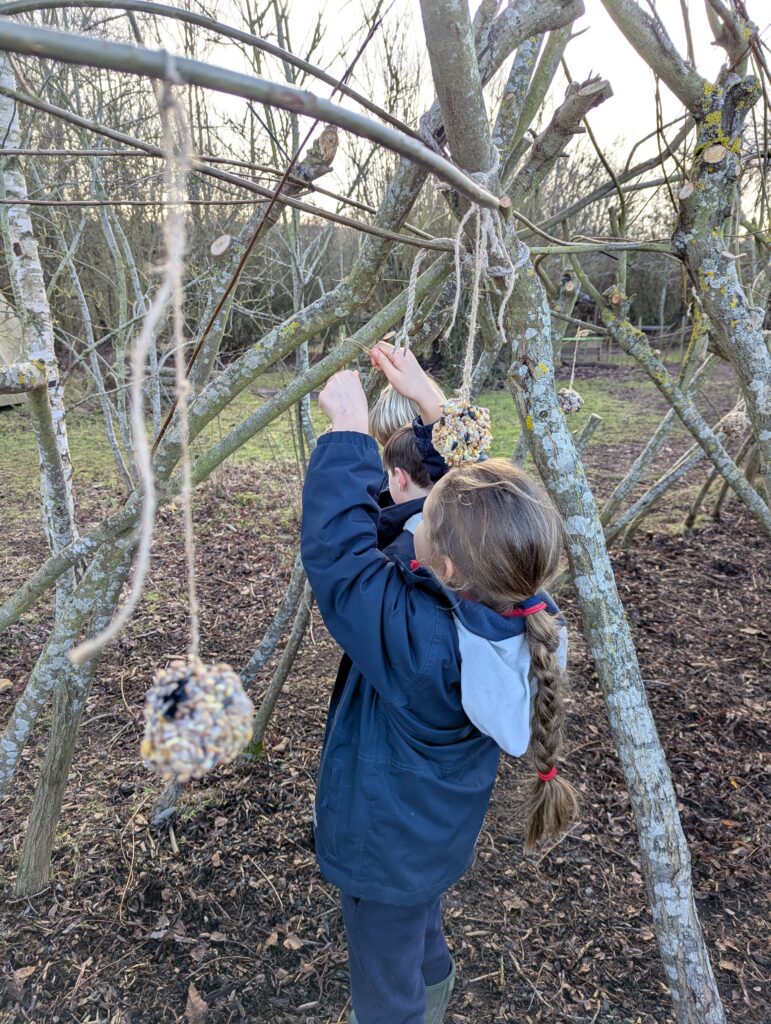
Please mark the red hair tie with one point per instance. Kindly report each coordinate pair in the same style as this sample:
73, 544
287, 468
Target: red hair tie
521, 612
548, 776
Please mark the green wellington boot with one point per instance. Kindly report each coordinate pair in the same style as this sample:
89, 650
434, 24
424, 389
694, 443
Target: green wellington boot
438, 996
437, 999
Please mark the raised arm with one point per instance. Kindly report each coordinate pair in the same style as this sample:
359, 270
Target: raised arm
363, 598
409, 378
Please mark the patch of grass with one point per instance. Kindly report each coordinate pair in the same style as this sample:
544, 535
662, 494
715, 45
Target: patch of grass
198, 800
92, 459
94, 464
619, 422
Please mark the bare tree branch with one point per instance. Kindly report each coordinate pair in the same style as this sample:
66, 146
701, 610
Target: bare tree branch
158, 64
19, 378
648, 37
204, 21
450, 42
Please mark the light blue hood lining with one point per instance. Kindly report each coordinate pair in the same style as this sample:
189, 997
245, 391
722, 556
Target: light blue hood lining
496, 690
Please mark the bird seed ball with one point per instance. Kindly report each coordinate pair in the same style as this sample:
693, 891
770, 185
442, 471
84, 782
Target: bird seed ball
196, 717
569, 400
463, 433
734, 424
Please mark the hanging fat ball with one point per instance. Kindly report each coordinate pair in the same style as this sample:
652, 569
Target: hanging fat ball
196, 717
463, 433
569, 400
734, 424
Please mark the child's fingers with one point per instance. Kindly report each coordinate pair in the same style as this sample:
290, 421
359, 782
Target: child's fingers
384, 350
384, 362
385, 346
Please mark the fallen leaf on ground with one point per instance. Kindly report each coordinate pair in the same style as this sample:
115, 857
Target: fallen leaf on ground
197, 1008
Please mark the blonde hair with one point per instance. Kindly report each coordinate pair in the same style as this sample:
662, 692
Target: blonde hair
504, 538
392, 411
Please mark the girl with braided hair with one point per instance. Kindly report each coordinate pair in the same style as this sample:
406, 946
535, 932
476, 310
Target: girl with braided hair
454, 658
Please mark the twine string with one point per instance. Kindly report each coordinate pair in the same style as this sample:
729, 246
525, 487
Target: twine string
402, 340
178, 160
490, 258
573, 367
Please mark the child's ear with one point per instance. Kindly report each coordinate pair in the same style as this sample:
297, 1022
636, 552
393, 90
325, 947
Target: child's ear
445, 568
402, 479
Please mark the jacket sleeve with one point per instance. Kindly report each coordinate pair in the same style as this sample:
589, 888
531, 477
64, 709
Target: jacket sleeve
384, 626
435, 465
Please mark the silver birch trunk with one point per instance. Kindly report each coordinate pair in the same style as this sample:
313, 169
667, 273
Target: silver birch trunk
91, 346
46, 405
94, 602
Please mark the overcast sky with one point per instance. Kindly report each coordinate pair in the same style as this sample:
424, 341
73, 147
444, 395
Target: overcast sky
601, 49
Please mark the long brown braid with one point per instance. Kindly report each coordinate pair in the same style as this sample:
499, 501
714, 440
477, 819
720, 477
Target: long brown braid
504, 538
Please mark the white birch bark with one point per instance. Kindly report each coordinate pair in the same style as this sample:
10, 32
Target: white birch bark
93, 602
46, 404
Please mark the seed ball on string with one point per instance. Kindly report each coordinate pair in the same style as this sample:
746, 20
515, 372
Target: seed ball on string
734, 424
463, 433
569, 400
196, 717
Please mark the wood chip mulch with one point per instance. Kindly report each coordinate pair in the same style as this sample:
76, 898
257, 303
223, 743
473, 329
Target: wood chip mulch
222, 916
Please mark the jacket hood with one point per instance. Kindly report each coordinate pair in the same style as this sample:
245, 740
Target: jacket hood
496, 690
477, 618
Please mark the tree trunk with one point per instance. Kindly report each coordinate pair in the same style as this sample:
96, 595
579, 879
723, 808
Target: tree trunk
96, 597
664, 852
702, 240
280, 676
46, 404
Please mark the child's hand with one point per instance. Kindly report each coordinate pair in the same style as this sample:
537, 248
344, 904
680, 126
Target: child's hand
409, 378
344, 402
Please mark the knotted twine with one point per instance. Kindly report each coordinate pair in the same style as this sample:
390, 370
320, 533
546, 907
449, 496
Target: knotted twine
568, 398
463, 432
402, 339
196, 716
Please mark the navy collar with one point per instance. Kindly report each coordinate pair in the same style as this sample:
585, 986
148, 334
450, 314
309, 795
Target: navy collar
393, 518
476, 617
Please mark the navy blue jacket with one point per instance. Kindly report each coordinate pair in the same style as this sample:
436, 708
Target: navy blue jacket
405, 777
392, 538
435, 465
